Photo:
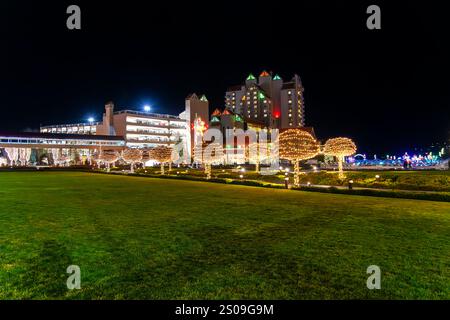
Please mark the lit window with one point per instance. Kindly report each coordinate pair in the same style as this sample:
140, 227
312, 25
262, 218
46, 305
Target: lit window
289, 92
290, 101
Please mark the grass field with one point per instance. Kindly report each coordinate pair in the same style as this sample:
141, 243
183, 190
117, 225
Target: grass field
142, 238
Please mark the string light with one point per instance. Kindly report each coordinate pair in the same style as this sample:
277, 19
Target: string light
132, 155
162, 154
339, 148
257, 153
297, 145
108, 157
208, 154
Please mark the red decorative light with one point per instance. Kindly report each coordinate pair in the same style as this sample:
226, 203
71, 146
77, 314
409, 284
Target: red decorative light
276, 114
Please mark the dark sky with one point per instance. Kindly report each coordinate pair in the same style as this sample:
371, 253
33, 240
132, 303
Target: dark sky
388, 89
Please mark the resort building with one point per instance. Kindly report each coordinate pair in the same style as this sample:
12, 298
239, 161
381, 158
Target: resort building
264, 103
25, 148
270, 100
144, 129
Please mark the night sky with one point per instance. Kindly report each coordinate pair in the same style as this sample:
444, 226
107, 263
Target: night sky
388, 89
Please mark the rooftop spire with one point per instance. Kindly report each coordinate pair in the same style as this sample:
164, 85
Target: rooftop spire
277, 77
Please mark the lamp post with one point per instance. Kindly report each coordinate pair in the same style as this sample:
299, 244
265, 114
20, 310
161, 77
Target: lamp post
350, 184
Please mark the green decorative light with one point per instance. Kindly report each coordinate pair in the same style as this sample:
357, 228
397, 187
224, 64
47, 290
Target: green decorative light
251, 77
261, 96
277, 77
215, 119
203, 98
237, 118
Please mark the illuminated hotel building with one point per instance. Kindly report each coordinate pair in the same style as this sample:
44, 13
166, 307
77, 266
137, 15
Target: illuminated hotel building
270, 100
143, 129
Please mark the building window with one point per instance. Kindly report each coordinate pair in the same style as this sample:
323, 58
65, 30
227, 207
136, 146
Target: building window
289, 92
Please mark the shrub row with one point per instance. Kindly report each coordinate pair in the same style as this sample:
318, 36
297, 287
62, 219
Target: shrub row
431, 196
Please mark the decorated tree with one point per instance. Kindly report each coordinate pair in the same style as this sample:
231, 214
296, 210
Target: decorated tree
257, 152
212, 153
13, 155
24, 156
109, 157
131, 156
162, 154
339, 148
297, 145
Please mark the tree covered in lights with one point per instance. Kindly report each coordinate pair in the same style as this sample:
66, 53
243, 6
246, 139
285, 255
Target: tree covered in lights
132, 156
207, 154
339, 148
109, 157
212, 153
162, 154
258, 152
297, 145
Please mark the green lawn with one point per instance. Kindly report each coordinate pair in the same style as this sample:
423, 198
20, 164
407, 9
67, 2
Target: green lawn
142, 238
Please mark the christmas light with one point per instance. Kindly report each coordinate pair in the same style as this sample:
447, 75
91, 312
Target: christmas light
339, 148
162, 154
131, 156
208, 154
297, 145
257, 152
107, 156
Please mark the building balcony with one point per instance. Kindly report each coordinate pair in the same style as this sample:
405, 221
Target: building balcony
159, 141
149, 132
